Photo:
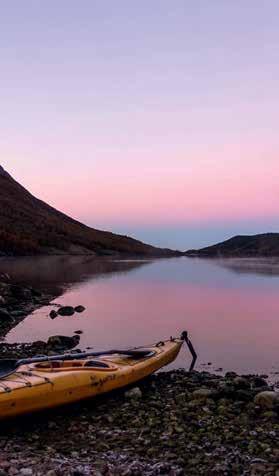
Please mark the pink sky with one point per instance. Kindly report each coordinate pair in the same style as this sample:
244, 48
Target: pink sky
186, 191
158, 123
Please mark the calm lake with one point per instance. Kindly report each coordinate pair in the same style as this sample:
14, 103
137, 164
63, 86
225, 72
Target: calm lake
230, 307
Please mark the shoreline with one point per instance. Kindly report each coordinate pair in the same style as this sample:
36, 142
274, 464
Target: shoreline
175, 423
172, 423
17, 301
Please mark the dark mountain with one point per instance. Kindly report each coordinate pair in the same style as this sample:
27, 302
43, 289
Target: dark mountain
266, 244
30, 226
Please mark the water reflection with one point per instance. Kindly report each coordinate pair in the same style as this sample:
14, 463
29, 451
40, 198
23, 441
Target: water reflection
61, 271
264, 266
233, 317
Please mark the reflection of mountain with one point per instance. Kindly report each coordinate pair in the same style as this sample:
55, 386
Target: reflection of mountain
55, 272
263, 266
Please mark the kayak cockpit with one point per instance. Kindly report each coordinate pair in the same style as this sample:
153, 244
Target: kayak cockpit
70, 365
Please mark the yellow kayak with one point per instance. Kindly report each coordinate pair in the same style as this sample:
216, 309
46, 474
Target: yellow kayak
48, 384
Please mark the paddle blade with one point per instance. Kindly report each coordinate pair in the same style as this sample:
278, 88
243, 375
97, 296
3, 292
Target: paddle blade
7, 367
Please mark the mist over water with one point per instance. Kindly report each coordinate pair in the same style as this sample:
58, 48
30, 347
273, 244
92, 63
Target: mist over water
230, 307
60, 272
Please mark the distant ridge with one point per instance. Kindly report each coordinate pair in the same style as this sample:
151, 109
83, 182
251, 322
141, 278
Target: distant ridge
266, 244
30, 226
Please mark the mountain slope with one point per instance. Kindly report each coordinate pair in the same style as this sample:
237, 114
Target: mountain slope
30, 226
266, 244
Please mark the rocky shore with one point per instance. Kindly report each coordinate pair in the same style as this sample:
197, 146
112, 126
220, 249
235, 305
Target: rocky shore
173, 423
17, 301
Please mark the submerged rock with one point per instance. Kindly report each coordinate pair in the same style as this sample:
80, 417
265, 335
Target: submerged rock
79, 308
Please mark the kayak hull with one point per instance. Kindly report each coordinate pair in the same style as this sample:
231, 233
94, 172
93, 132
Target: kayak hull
41, 386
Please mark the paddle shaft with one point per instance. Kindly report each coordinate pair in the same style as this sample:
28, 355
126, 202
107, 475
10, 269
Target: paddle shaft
81, 355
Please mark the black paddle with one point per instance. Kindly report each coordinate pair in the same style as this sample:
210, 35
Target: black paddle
9, 366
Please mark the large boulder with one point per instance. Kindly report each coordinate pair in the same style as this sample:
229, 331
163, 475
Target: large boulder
53, 314
267, 399
62, 342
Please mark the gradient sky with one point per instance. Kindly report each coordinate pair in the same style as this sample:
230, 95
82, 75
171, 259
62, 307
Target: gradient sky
154, 118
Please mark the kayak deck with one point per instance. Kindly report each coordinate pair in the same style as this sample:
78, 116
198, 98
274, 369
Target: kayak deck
45, 385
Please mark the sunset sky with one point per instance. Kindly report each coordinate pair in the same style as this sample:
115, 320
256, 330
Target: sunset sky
157, 118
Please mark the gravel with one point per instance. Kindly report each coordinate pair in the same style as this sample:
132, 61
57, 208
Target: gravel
173, 423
